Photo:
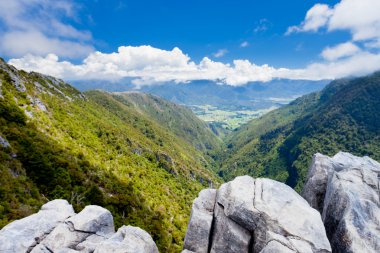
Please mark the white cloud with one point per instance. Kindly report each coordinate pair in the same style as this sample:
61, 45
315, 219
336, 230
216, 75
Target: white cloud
359, 64
316, 18
339, 51
220, 53
24, 42
360, 18
146, 65
36, 27
244, 44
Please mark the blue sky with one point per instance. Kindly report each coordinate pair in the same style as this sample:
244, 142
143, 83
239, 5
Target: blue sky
202, 27
230, 41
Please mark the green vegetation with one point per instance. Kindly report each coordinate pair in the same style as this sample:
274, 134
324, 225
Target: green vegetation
343, 116
97, 149
145, 159
177, 119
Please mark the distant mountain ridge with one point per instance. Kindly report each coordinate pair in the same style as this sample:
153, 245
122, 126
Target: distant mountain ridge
254, 95
145, 158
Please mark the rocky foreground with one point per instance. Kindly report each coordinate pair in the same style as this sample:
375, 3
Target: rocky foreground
262, 215
339, 212
56, 228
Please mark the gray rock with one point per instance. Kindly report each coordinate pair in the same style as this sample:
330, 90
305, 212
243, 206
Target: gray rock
128, 239
262, 215
345, 189
17, 81
228, 236
22, 235
351, 211
56, 228
237, 198
91, 220
90, 244
315, 188
4, 143
282, 211
1, 90
197, 239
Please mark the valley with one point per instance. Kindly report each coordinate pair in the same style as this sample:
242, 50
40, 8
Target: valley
228, 117
225, 107
146, 158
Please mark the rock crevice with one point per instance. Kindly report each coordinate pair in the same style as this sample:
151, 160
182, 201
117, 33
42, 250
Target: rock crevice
258, 215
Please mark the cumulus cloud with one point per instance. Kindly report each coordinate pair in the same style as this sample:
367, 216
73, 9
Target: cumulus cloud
317, 17
37, 27
147, 65
339, 51
360, 18
220, 53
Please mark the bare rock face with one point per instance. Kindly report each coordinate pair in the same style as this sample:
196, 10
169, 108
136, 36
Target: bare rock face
345, 189
23, 235
260, 215
4, 143
56, 228
128, 239
200, 223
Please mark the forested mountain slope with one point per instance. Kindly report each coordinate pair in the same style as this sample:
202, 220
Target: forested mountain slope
343, 116
179, 119
93, 148
145, 159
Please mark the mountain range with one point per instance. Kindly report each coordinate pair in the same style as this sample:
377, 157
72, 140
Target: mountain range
145, 158
254, 95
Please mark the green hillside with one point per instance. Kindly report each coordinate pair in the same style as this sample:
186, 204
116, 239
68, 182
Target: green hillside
94, 148
145, 159
178, 119
343, 116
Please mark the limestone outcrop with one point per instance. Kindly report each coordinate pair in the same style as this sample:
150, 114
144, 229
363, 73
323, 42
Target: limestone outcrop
254, 215
56, 228
345, 189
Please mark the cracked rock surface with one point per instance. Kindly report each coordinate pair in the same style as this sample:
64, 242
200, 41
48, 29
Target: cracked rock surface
56, 228
254, 215
345, 189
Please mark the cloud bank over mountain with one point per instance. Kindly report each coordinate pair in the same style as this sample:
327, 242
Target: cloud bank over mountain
55, 48
148, 65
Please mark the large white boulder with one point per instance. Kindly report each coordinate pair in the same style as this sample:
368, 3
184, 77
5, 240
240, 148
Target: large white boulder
350, 205
262, 215
56, 228
22, 235
92, 220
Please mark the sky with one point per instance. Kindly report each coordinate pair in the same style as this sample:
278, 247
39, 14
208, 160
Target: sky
231, 42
